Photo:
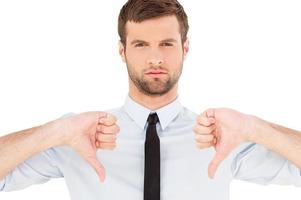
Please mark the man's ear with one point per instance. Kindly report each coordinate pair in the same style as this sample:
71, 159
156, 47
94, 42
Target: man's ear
122, 51
185, 48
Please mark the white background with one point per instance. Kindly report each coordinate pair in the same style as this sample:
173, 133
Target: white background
60, 56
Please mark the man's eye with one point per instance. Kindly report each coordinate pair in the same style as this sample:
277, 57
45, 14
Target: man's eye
139, 45
167, 44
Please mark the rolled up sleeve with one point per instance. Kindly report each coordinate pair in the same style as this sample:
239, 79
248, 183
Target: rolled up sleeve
257, 164
2, 183
36, 170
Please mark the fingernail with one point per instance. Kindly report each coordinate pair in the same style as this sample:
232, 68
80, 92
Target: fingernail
97, 144
101, 120
211, 120
102, 178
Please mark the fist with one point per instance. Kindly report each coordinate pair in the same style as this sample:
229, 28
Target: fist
205, 131
224, 129
85, 133
106, 132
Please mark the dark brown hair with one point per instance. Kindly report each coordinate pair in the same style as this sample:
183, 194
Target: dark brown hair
140, 10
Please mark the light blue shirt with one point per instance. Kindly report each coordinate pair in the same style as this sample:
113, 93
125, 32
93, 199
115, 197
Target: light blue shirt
183, 165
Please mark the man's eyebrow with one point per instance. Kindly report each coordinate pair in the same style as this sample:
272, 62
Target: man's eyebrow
142, 41
170, 40
138, 41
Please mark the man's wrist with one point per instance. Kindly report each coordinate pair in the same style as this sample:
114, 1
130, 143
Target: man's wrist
52, 133
257, 128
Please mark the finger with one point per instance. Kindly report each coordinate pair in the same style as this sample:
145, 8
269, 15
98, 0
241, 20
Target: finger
108, 129
98, 167
218, 158
204, 145
204, 138
210, 113
106, 137
101, 115
205, 121
109, 120
198, 129
97, 144
107, 145
214, 140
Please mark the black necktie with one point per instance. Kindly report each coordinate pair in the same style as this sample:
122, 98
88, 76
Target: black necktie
152, 160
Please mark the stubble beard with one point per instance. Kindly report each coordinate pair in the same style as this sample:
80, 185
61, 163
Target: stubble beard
154, 86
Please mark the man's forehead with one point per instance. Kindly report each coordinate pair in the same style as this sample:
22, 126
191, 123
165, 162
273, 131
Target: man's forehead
160, 28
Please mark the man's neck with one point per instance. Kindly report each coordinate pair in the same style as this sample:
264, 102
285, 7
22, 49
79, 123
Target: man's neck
153, 102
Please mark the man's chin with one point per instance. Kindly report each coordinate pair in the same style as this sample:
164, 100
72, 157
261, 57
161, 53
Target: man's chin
155, 91
154, 86
154, 94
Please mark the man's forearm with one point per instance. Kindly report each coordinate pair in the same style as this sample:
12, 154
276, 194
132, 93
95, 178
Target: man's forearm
284, 141
17, 147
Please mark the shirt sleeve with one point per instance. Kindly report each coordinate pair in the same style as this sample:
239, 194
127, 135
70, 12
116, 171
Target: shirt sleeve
2, 184
255, 163
36, 170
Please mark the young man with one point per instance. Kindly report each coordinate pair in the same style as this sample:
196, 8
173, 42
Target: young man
155, 155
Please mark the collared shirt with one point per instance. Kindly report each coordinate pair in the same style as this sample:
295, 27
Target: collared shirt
183, 165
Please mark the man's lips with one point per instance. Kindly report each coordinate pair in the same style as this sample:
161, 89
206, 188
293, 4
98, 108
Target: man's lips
156, 73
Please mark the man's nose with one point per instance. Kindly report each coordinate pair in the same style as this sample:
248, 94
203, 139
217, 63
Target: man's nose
155, 58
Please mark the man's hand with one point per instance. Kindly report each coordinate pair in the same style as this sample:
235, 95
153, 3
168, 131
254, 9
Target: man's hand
224, 129
85, 133
107, 130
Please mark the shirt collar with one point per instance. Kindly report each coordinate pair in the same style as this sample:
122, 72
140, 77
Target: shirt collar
140, 113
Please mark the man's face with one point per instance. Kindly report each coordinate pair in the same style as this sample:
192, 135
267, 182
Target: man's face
154, 54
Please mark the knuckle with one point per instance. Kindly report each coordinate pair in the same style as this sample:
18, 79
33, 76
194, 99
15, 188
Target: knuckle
208, 130
212, 128
197, 137
116, 129
112, 146
200, 138
195, 129
105, 121
199, 145
198, 129
200, 120
112, 138
108, 130
99, 128
210, 138
100, 136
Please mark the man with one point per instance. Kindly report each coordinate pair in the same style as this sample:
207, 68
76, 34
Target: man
155, 155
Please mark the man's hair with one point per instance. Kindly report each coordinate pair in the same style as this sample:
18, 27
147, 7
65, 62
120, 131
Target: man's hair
140, 10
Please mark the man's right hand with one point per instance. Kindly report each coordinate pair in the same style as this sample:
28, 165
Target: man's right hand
224, 129
85, 133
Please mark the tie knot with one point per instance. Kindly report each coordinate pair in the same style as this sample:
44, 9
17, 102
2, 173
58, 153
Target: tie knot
153, 118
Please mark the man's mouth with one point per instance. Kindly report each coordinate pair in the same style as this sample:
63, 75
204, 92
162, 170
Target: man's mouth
156, 73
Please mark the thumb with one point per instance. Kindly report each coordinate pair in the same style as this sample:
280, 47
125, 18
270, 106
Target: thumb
210, 113
218, 158
98, 167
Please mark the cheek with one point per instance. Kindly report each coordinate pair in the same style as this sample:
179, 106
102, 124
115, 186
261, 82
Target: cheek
136, 58
174, 59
